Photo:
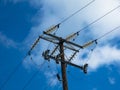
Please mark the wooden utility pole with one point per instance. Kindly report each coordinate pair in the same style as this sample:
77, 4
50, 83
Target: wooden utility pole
63, 67
62, 45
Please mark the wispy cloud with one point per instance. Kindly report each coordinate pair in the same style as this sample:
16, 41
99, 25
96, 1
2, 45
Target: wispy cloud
54, 11
7, 41
104, 55
52, 78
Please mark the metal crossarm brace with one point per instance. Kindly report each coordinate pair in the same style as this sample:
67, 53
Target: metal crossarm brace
55, 42
67, 62
64, 40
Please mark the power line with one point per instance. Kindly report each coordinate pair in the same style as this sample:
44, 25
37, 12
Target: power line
17, 67
91, 52
87, 26
67, 18
70, 17
12, 73
99, 18
77, 11
33, 76
109, 32
35, 43
95, 40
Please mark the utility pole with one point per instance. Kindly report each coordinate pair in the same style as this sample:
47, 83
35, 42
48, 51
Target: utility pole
63, 66
62, 45
60, 57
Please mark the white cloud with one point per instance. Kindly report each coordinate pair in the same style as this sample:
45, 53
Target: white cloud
54, 11
103, 56
7, 41
52, 78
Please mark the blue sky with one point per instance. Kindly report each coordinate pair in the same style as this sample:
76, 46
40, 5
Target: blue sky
21, 21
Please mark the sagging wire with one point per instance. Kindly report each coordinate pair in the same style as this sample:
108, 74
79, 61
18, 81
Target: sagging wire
57, 26
96, 40
89, 43
108, 33
33, 76
51, 29
102, 36
77, 11
91, 52
13, 72
98, 19
56, 75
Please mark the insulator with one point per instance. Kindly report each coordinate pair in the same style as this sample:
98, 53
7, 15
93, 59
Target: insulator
85, 68
57, 57
96, 41
46, 55
88, 44
51, 29
34, 44
71, 36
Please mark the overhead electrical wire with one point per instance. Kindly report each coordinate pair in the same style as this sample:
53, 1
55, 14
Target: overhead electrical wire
96, 40
12, 73
74, 13
94, 20
109, 12
77, 11
98, 19
108, 32
33, 76
114, 29
57, 26
90, 53
17, 67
